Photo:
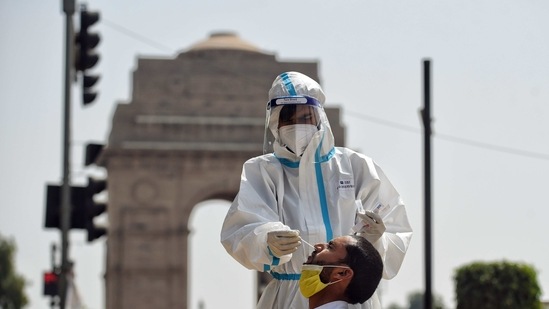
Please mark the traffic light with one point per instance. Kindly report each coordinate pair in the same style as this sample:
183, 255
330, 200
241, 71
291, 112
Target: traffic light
84, 208
92, 152
86, 56
51, 283
53, 205
93, 208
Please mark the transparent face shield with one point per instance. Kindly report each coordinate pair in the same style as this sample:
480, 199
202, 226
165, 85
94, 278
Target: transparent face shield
291, 123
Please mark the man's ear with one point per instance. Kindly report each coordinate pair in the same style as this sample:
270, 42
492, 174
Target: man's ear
343, 273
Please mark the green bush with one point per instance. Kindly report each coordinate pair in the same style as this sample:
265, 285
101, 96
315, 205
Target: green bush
497, 285
12, 285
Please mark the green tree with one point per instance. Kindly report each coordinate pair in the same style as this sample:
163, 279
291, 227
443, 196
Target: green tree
497, 285
12, 285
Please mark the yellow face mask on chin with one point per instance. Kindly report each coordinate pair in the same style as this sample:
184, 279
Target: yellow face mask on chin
310, 283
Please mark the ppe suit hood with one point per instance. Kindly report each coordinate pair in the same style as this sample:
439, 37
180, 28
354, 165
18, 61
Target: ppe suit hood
295, 84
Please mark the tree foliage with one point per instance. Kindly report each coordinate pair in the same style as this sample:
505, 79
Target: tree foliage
12, 285
497, 285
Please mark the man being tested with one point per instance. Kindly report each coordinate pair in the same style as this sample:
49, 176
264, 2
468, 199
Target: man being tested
304, 189
345, 270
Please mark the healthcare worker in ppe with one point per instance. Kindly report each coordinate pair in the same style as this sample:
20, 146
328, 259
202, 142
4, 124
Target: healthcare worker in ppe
308, 191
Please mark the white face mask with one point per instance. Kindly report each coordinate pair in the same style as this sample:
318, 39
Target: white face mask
296, 137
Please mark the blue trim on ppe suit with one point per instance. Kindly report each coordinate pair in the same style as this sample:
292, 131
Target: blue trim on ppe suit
288, 84
280, 276
319, 183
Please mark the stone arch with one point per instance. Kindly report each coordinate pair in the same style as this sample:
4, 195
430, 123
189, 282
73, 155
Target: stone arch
211, 269
214, 190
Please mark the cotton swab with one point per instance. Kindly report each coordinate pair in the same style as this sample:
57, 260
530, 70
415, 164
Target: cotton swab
308, 244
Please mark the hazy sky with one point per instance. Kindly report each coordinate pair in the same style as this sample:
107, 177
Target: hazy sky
490, 112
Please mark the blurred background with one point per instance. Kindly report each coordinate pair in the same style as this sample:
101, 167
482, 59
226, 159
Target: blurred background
490, 109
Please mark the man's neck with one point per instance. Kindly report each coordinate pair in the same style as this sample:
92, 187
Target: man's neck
320, 299
332, 304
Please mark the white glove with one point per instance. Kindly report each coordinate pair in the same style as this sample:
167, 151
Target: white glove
283, 242
372, 226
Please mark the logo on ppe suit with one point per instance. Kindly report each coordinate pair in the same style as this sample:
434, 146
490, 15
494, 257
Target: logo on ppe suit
345, 185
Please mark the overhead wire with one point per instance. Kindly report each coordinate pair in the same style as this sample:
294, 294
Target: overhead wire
143, 39
515, 151
450, 138
369, 118
137, 36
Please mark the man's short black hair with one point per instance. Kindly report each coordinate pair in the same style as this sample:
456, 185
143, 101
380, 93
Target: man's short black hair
367, 267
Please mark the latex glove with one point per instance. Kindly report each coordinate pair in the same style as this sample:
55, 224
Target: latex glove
283, 242
372, 226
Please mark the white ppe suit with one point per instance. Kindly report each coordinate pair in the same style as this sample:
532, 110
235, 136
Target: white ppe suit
318, 194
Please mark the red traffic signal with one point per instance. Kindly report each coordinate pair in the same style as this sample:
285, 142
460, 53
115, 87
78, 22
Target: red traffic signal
51, 283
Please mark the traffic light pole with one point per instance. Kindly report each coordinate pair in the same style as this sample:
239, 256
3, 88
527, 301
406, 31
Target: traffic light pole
68, 9
53, 268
